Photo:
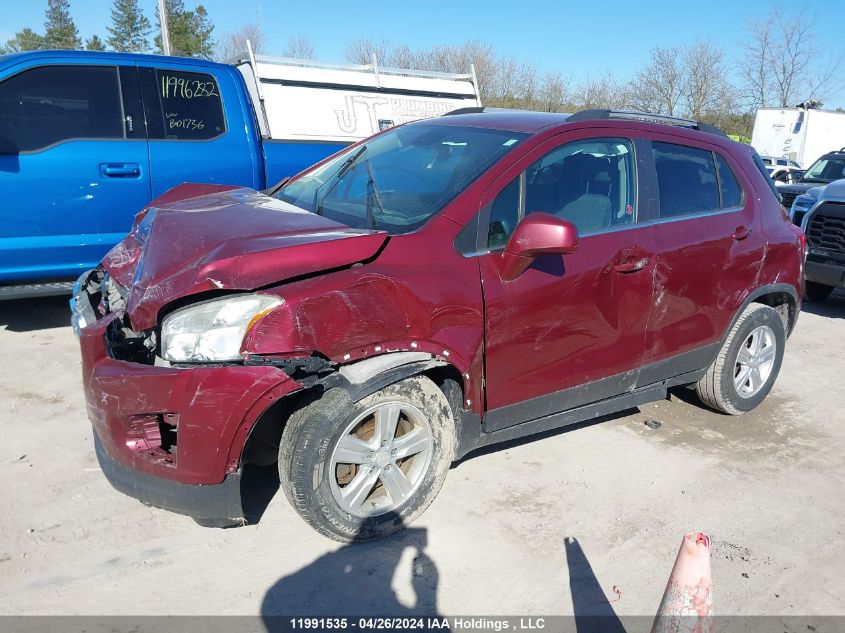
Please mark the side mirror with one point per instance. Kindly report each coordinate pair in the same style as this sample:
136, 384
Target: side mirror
537, 234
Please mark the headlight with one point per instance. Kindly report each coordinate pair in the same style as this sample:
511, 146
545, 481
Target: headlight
212, 331
801, 205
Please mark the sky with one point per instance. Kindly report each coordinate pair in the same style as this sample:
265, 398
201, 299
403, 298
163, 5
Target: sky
580, 38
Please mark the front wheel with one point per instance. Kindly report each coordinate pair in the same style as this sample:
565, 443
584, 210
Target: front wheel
815, 292
356, 471
746, 367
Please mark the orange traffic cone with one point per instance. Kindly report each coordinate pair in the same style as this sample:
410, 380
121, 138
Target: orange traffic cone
687, 600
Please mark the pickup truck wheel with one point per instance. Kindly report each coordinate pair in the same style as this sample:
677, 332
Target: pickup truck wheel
746, 367
816, 292
357, 471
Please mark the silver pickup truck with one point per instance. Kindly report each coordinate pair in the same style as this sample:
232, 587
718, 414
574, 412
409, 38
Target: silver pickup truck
820, 212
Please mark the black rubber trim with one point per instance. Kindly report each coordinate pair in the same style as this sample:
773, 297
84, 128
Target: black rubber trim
827, 274
761, 292
220, 501
363, 88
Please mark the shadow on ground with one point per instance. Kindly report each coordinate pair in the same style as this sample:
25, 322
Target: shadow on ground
41, 313
357, 579
833, 307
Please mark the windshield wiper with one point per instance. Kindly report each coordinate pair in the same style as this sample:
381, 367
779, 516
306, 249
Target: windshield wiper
335, 178
372, 194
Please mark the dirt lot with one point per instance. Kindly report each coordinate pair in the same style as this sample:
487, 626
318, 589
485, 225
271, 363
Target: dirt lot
768, 487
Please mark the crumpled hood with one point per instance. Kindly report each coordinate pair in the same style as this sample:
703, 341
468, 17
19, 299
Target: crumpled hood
197, 238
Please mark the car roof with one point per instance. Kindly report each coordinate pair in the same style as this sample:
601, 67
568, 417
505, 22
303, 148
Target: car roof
509, 120
112, 56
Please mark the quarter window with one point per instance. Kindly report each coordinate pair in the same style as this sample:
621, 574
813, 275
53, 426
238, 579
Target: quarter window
728, 186
51, 104
590, 183
190, 104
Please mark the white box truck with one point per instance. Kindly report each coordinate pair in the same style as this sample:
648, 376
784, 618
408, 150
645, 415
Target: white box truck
309, 101
798, 134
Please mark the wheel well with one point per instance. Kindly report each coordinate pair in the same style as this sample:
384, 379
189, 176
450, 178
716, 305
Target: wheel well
262, 445
784, 303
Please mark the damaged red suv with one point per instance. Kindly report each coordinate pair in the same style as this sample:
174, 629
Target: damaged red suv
443, 285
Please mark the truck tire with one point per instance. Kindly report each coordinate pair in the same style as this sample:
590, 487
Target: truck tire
357, 471
815, 292
748, 363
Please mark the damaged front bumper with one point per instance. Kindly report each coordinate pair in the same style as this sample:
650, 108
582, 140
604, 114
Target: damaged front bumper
173, 437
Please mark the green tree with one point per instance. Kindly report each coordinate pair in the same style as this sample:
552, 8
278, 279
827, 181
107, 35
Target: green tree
25, 40
130, 29
59, 29
190, 31
94, 43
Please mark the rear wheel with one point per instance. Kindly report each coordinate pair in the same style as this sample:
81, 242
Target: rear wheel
746, 367
816, 292
356, 471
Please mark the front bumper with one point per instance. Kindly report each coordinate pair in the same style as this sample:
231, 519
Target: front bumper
173, 437
220, 502
827, 274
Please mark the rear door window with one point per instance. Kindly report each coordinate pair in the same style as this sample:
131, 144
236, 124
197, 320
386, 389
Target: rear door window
686, 178
191, 107
729, 189
52, 104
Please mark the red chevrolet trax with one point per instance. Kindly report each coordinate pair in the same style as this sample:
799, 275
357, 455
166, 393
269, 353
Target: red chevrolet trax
441, 286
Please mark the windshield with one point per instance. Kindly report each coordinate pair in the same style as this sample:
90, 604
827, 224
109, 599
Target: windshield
825, 170
398, 180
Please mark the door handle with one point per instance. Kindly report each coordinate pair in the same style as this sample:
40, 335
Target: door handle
120, 170
631, 266
741, 233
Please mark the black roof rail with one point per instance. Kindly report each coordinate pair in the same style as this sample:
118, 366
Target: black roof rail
592, 115
470, 110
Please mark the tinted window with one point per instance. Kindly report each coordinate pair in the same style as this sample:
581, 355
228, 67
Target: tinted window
686, 178
728, 185
399, 179
591, 183
504, 215
47, 105
190, 104
825, 170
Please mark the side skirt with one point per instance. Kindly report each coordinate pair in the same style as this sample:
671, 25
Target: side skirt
468, 442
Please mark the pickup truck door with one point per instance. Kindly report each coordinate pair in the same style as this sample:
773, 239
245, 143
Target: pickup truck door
201, 127
73, 165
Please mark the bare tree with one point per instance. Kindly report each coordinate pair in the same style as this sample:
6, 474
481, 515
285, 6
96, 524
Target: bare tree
233, 44
704, 85
299, 47
781, 64
554, 91
659, 86
360, 51
603, 92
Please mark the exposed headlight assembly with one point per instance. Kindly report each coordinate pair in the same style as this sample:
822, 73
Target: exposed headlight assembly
212, 331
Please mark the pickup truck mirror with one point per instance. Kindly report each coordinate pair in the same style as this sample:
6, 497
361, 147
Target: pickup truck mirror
537, 234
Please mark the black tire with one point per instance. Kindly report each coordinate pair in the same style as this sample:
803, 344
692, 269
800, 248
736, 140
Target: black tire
717, 389
815, 292
311, 435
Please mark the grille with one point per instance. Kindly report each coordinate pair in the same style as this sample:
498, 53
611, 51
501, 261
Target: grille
788, 197
826, 229
798, 217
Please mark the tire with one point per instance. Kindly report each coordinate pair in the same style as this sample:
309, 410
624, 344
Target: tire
718, 389
330, 494
815, 292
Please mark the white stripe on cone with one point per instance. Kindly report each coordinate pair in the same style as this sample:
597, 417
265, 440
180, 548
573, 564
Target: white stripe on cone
687, 601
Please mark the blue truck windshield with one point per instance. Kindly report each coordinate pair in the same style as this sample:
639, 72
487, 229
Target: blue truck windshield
398, 180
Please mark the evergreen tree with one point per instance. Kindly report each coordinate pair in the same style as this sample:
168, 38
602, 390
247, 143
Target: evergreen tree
201, 28
59, 29
25, 40
94, 43
190, 31
130, 28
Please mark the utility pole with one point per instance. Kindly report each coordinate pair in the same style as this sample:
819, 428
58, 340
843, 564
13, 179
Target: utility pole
165, 34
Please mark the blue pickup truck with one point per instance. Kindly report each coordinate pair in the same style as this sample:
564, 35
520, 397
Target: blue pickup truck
87, 139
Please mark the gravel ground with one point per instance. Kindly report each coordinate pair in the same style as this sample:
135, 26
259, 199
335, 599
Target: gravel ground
559, 524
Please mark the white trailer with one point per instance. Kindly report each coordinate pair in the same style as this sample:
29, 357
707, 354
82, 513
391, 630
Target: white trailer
798, 134
308, 101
